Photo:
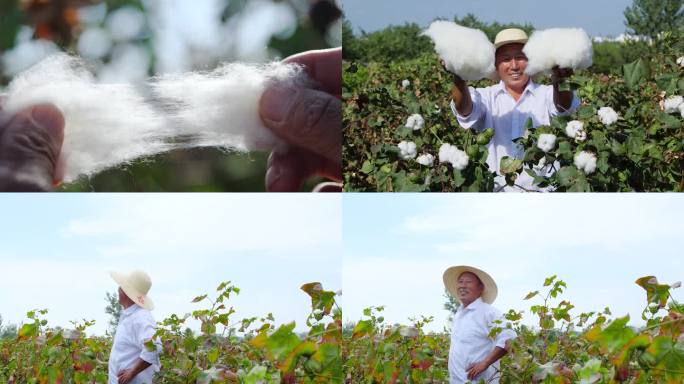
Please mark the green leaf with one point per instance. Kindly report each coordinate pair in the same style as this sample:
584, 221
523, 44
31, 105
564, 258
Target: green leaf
510, 165
634, 73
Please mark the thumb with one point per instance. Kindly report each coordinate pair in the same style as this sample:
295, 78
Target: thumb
30, 144
306, 118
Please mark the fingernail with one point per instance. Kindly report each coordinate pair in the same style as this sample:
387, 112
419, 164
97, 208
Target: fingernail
49, 118
276, 102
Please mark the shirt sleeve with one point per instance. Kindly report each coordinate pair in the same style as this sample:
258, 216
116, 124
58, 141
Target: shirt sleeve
146, 333
505, 334
554, 111
476, 118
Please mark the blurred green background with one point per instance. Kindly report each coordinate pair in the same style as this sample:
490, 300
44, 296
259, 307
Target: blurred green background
130, 40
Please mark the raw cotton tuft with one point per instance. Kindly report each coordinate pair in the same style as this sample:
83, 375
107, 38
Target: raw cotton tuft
112, 124
585, 161
546, 142
407, 150
607, 115
672, 104
415, 122
425, 159
450, 154
466, 52
405, 83
575, 130
563, 47
680, 61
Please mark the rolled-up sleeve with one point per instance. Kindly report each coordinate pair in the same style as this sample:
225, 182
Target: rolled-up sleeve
476, 117
146, 333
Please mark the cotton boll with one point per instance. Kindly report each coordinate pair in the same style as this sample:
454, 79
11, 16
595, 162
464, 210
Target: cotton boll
405, 83
681, 109
407, 150
409, 331
680, 61
125, 23
415, 122
426, 159
111, 124
676, 284
466, 52
671, 104
585, 161
563, 47
546, 142
607, 115
573, 127
450, 154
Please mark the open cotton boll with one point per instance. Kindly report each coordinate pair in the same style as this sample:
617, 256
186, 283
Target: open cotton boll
563, 47
425, 159
546, 142
672, 104
405, 83
607, 115
585, 161
466, 52
407, 150
680, 61
112, 124
415, 122
450, 154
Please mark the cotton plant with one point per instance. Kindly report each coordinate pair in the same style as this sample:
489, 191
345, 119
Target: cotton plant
585, 161
607, 115
450, 154
407, 150
546, 142
680, 61
425, 159
415, 122
575, 130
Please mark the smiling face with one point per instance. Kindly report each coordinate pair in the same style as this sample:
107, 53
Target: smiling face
510, 66
469, 288
124, 300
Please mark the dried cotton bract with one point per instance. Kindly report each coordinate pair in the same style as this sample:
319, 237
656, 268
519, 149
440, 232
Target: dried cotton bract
563, 47
466, 52
450, 154
111, 124
415, 122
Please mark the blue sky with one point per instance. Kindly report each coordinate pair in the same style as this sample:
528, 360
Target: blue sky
58, 248
397, 246
598, 18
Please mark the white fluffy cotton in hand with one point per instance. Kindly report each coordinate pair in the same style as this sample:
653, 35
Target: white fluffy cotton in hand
563, 47
466, 52
111, 124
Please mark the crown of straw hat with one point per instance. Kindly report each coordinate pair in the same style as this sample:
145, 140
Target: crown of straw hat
135, 284
452, 274
509, 36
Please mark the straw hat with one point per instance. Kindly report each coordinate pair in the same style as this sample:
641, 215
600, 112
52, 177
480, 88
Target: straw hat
510, 36
135, 285
451, 281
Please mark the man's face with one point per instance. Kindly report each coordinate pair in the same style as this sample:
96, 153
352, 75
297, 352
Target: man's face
122, 296
510, 65
469, 288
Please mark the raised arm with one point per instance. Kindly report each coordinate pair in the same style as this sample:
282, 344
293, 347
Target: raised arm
562, 99
461, 96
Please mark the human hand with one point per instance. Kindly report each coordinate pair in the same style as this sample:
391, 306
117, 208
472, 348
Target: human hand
310, 120
456, 79
558, 74
476, 369
126, 376
30, 145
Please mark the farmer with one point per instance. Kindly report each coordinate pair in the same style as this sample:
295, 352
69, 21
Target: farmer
130, 361
473, 354
507, 105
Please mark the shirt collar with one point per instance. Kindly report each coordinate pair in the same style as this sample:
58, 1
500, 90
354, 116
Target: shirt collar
130, 310
474, 305
531, 87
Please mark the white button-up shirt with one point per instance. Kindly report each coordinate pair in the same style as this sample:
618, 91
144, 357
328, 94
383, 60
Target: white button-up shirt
470, 341
136, 326
494, 107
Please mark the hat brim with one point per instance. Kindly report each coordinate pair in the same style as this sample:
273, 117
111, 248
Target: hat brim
139, 298
506, 42
451, 275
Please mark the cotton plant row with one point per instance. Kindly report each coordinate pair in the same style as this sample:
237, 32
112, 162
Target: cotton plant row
447, 154
468, 53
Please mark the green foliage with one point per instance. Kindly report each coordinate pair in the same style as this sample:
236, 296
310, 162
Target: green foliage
652, 17
563, 348
251, 350
113, 309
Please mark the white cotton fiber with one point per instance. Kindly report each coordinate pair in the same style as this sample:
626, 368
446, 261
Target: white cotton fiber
467, 52
111, 124
563, 47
